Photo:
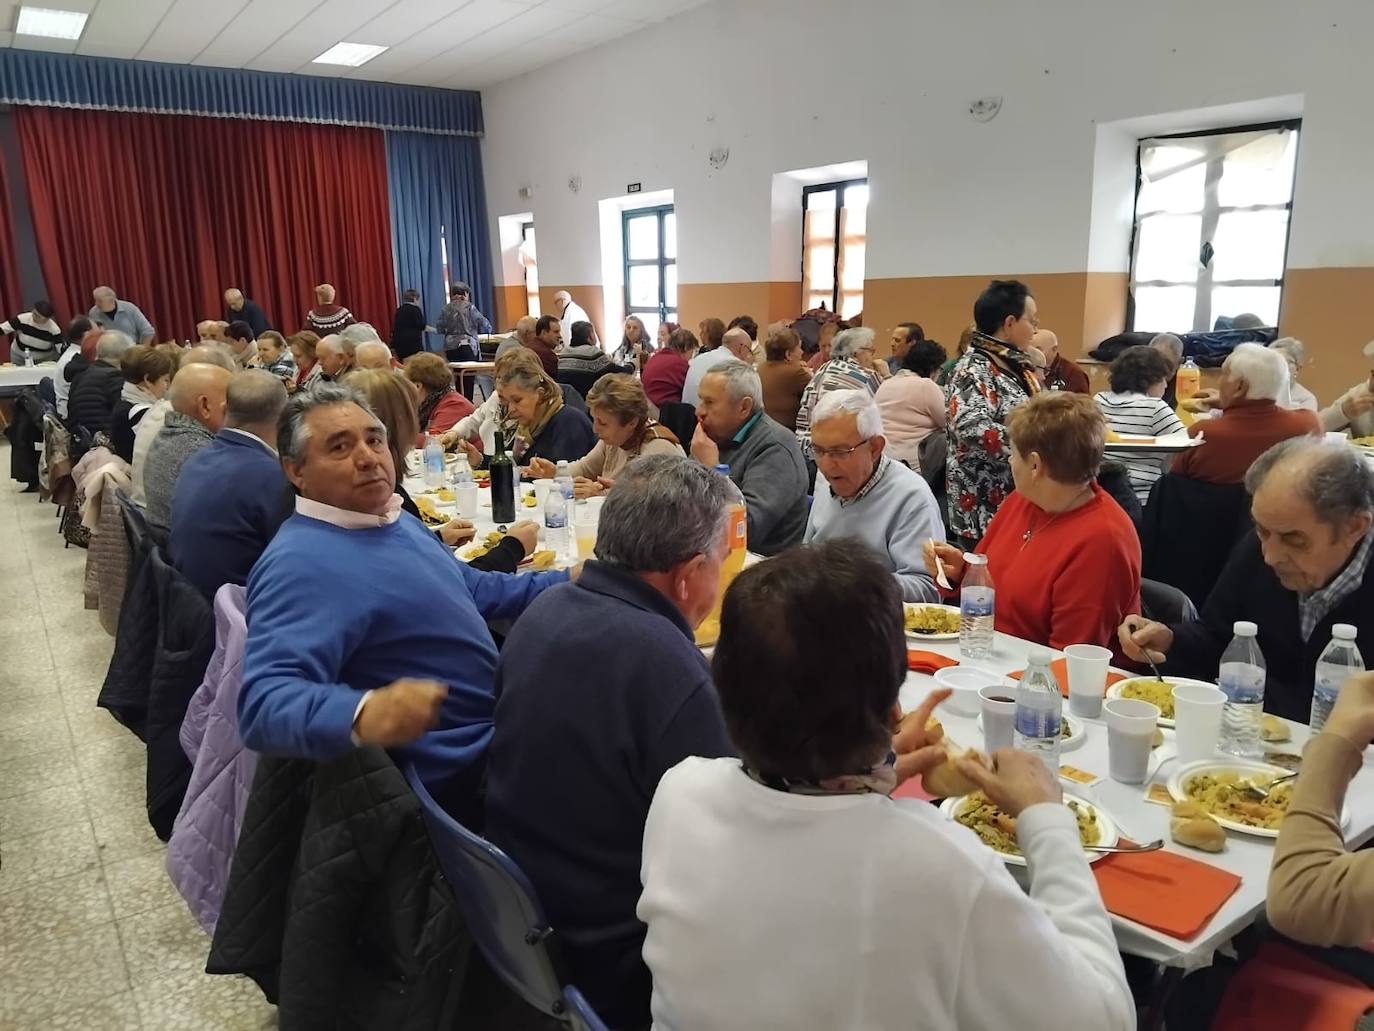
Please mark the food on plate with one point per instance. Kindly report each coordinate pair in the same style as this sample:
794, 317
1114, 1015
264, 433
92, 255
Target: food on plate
531, 501
1065, 729
429, 515
931, 619
1190, 824
1223, 794
543, 559
946, 780
481, 475
1148, 689
1157, 739
1363, 441
1274, 728
998, 829
479, 548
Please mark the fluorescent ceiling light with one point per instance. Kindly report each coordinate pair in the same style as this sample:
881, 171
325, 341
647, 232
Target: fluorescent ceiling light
351, 54
43, 21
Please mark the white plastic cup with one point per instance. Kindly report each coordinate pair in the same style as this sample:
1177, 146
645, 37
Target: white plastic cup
1087, 665
1198, 710
585, 522
1130, 731
541, 494
466, 496
998, 705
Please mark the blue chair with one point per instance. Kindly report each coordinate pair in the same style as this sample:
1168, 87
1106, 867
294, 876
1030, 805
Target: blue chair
502, 913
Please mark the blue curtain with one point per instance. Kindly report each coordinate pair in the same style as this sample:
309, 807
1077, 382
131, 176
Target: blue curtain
436, 185
70, 80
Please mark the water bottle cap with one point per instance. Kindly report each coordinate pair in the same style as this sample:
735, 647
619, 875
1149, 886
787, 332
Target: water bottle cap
1344, 631
977, 560
723, 469
1244, 628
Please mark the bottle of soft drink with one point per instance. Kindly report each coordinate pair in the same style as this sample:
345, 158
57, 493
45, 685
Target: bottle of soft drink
563, 482
977, 600
434, 462
556, 523
736, 548
1039, 708
1189, 380
1242, 678
1340, 661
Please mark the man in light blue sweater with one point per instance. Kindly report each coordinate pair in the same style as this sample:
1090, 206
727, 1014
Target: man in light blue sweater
363, 629
863, 494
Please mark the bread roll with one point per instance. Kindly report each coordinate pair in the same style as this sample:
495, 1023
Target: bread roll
1272, 728
1157, 739
1193, 826
945, 780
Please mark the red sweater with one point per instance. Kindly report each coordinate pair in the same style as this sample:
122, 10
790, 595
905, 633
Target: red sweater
1074, 581
1245, 431
664, 374
449, 411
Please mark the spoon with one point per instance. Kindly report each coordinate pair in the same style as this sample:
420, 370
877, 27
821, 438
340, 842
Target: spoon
1262, 793
1149, 846
940, 577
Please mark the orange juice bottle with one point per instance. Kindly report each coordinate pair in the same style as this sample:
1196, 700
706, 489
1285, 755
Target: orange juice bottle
737, 544
1188, 383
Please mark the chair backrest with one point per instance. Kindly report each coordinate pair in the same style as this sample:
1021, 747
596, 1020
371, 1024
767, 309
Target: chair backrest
580, 1013
932, 454
681, 419
1188, 531
47, 393
1166, 604
500, 907
572, 398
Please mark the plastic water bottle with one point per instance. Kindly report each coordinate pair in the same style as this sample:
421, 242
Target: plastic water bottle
434, 462
1039, 707
556, 523
562, 479
1242, 678
1340, 661
462, 471
977, 600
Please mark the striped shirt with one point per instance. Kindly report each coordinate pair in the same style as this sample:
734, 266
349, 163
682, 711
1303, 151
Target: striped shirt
1145, 416
35, 337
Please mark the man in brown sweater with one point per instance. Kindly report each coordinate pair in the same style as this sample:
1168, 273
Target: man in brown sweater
1252, 380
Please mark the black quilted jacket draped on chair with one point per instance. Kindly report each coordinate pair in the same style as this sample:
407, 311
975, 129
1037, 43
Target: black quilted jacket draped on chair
335, 904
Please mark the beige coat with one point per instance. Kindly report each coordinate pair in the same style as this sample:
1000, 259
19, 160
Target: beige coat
608, 460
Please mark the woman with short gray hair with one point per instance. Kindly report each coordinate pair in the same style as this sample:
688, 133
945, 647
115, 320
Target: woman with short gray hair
850, 368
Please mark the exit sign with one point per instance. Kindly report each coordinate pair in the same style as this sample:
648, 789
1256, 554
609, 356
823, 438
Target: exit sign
633, 187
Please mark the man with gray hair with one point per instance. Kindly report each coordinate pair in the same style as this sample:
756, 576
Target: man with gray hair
317, 683
735, 345
1303, 569
1253, 378
231, 495
1171, 346
335, 356
197, 397
764, 458
522, 335
109, 312
863, 494
96, 391
849, 368
370, 354
580, 745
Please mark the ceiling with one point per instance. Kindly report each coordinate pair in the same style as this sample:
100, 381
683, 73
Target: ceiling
459, 44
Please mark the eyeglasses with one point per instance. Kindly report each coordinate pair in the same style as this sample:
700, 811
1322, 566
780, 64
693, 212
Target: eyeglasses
837, 452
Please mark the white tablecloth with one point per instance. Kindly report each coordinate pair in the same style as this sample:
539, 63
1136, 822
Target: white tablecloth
14, 378
1249, 857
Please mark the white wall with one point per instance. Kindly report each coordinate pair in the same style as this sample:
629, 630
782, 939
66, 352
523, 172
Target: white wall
788, 84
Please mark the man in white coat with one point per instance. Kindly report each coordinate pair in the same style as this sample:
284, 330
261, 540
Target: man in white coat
569, 311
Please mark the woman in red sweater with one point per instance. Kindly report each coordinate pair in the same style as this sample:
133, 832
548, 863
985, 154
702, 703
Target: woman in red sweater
1064, 557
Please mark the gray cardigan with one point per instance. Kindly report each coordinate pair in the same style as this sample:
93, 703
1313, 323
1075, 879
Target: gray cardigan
768, 469
180, 438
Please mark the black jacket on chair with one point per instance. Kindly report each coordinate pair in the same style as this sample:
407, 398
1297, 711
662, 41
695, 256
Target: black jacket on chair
1187, 531
335, 904
94, 395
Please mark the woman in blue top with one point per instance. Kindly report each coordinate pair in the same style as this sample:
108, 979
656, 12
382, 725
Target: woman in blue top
545, 427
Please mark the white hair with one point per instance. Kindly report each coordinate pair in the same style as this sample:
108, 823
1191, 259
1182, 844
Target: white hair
1169, 340
373, 347
849, 342
741, 381
1293, 348
112, 347
1265, 372
358, 333
835, 403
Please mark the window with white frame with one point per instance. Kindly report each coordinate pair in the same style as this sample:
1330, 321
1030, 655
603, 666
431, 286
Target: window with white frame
528, 259
1211, 227
649, 236
834, 234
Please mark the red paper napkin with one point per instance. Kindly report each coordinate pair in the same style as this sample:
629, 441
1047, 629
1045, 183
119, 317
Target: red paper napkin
1163, 890
1060, 669
927, 662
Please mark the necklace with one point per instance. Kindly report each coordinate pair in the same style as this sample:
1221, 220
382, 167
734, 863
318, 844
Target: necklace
1073, 505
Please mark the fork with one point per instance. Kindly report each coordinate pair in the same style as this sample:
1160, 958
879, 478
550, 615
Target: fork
1149, 846
940, 577
1262, 793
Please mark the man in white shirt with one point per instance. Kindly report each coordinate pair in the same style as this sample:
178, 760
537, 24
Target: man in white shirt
569, 311
735, 344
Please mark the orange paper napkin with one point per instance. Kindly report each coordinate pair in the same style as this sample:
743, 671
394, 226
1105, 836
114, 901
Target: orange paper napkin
1163, 890
1060, 669
927, 662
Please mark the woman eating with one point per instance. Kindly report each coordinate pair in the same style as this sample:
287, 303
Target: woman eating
440, 406
1134, 405
147, 374
476, 433
620, 418
308, 371
545, 426
666, 370
784, 376
785, 889
635, 346
912, 404
1063, 555
394, 405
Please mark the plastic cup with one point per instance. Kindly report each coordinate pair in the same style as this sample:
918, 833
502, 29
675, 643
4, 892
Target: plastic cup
1198, 710
1087, 665
1130, 732
584, 525
466, 496
999, 716
541, 493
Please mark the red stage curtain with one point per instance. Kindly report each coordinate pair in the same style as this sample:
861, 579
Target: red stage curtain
169, 210
11, 302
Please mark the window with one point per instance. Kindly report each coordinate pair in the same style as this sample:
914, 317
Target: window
528, 260
650, 240
1211, 226
834, 229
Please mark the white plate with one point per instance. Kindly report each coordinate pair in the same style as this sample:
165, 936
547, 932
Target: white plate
912, 635
1107, 832
1115, 690
1183, 774
1077, 733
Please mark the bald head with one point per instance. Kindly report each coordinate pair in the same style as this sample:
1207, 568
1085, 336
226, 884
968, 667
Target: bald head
1047, 343
198, 391
233, 297
372, 354
209, 354
738, 343
254, 400
524, 329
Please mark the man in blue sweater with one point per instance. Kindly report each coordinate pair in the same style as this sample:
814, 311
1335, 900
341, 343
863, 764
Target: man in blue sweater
363, 629
601, 691
231, 495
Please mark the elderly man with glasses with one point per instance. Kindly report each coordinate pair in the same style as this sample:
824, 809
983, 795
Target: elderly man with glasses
863, 494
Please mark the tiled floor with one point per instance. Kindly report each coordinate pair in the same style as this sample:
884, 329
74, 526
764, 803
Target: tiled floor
92, 933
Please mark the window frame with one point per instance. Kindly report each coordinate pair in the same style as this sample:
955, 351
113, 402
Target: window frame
532, 305
661, 211
1211, 213
839, 186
